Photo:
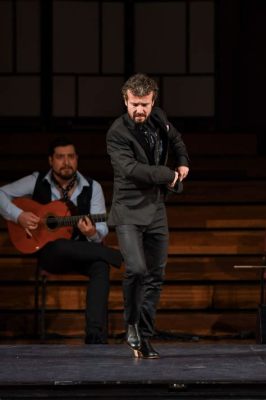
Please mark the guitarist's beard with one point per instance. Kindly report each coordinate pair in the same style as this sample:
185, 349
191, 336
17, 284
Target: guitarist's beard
66, 174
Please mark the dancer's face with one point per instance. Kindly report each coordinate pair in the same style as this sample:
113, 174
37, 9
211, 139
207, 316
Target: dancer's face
139, 108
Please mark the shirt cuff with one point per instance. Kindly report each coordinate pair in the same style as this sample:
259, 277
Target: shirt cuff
94, 238
16, 214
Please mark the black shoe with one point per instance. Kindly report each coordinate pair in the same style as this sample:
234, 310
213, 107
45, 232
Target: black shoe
146, 350
133, 337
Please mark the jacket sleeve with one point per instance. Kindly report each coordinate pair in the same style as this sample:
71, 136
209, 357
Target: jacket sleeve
175, 138
178, 146
125, 162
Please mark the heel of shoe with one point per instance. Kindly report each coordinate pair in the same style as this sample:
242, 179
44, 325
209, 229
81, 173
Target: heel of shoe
147, 351
136, 354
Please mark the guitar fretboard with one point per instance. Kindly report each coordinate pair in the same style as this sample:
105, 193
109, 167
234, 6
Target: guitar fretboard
72, 220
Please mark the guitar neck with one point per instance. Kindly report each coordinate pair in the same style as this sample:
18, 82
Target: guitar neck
72, 220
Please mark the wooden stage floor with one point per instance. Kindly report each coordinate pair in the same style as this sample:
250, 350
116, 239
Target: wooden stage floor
184, 371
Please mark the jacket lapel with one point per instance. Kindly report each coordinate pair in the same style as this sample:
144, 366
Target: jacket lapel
140, 138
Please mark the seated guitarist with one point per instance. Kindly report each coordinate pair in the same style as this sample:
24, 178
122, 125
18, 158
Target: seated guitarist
83, 253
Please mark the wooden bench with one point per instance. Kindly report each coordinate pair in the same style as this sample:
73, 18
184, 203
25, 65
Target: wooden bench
199, 282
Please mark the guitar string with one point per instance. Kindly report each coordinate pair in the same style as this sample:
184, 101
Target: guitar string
73, 219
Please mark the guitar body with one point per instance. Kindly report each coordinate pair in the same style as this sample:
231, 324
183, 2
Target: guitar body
43, 234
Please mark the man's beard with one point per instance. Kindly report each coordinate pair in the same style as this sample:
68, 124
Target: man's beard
65, 177
143, 119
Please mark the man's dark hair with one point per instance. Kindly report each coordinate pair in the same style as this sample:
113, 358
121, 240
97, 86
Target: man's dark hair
140, 85
58, 142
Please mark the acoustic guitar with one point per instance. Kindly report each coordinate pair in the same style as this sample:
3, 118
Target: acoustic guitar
56, 222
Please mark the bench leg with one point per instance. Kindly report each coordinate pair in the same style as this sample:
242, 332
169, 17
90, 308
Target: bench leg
43, 307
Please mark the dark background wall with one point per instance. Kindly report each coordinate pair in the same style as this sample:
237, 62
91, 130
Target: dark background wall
63, 62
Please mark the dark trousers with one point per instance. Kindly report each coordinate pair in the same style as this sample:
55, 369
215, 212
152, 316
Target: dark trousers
145, 250
65, 256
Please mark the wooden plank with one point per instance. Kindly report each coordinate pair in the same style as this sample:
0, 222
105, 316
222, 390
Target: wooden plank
210, 324
94, 141
188, 324
6, 247
17, 297
179, 268
210, 191
216, 216
215, 143
237, 223
211, 216
17, 269
115, 275
224, 166
213, 297
233, 296
216, 242
211, 268
212, 242
89, 143
24, 269
205, 191
100, 168
178, 296
188, 242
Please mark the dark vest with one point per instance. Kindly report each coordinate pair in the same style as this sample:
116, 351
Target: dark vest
42, 194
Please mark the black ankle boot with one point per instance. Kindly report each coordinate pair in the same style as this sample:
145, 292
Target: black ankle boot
146, 350
133, 337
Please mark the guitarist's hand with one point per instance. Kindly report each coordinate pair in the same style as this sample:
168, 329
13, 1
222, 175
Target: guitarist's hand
28, 221
86, 227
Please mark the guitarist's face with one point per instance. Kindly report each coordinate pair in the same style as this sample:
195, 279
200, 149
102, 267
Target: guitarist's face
64, 162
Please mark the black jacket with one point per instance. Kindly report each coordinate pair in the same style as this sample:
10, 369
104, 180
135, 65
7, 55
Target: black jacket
137, 181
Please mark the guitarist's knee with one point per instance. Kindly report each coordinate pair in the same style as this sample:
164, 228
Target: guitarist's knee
54, 252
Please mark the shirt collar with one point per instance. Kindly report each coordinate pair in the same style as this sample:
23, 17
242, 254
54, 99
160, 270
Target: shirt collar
81, 181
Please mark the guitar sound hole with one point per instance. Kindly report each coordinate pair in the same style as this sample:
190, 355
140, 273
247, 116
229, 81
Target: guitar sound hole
51, 222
